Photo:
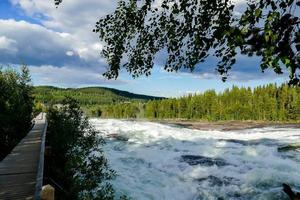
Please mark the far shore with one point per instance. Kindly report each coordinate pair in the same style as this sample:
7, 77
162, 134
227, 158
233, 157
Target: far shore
227, 125
230, 125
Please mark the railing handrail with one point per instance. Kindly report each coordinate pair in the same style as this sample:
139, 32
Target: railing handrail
40, 173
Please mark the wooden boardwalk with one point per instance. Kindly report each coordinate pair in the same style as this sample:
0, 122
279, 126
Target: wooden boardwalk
21, 172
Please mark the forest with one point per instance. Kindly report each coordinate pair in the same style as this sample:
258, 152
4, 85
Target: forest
89, 98
265, 103
86, 96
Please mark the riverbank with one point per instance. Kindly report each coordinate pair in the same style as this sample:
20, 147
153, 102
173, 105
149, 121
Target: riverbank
227, 125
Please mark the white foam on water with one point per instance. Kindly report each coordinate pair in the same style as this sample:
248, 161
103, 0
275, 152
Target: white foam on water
147, 158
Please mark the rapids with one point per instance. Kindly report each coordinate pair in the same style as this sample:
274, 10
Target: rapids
156, 161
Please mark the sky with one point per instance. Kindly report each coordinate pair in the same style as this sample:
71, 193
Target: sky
60, 49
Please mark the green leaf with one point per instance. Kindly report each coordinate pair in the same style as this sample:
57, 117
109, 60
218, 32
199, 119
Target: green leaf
270, 18
287, 61
267, 37
258, 12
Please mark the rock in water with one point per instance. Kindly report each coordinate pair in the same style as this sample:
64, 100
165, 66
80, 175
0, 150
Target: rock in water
118, 137
288, 190
213, 180
290, 147
202, 160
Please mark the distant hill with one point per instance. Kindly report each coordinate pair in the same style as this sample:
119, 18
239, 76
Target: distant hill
89, 95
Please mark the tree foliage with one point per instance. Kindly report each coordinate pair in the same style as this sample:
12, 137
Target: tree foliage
267, 103
77, 164
191, 30
16, 104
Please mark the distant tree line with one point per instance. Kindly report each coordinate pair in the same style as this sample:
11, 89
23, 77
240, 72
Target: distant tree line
86, 96
268, 103
16, 106
89, 98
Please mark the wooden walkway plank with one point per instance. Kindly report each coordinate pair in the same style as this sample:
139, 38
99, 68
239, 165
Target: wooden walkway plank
22, 170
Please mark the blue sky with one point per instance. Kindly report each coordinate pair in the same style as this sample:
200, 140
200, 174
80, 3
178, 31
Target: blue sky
60, 49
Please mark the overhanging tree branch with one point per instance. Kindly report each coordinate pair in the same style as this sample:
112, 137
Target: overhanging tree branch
191, 30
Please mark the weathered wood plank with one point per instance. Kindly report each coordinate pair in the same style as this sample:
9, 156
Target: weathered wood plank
19, 170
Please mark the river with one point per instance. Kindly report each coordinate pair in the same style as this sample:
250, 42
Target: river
156, 161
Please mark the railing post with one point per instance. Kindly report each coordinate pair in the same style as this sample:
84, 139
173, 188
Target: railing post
47, 192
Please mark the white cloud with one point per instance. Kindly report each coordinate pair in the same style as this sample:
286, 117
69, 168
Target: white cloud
73, 21
37, 45
76, 17
8, 44
68, 76
69, 53
63, 49
238, 2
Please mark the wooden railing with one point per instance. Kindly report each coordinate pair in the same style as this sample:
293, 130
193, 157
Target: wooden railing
40, 172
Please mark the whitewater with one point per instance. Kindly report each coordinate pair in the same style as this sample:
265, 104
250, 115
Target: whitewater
157, 161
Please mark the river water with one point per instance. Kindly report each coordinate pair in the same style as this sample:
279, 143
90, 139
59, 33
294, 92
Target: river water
156, 161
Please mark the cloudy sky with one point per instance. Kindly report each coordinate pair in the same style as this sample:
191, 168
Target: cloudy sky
60, 49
